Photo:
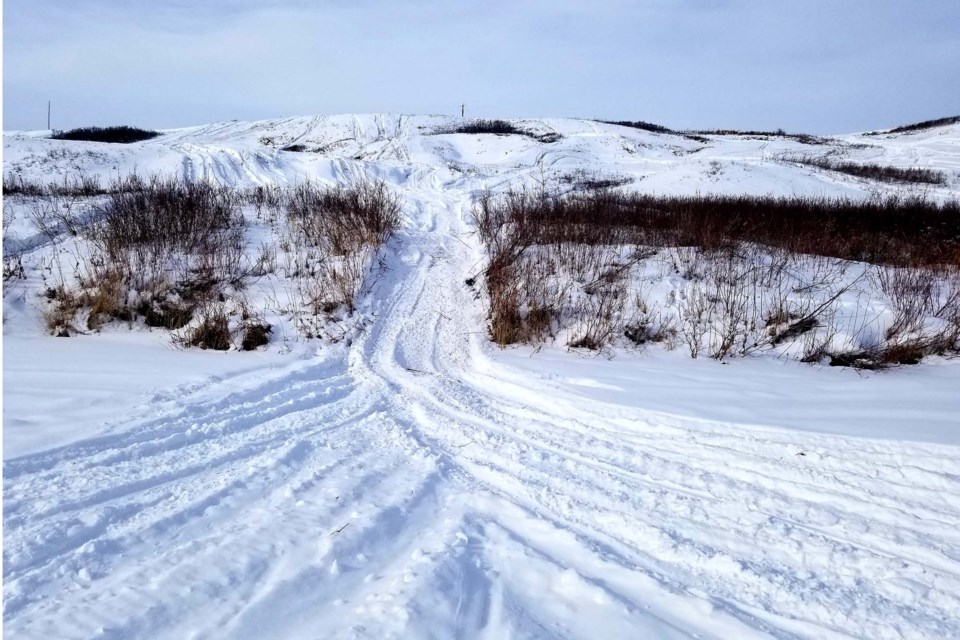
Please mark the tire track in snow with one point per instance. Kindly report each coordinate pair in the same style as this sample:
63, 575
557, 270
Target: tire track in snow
412, 487
776, 493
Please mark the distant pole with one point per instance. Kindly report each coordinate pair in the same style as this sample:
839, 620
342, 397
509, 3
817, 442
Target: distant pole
462, 109
48, 114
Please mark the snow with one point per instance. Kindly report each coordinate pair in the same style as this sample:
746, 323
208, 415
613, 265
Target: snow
58, 391
418, 482
913, 404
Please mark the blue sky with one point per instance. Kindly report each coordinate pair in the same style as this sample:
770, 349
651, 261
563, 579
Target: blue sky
804, 65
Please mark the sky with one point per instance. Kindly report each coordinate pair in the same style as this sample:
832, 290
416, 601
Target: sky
802, 65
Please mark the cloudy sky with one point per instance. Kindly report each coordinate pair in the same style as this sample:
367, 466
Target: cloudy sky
805, 65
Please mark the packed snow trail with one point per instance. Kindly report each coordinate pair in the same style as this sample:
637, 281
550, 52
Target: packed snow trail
409, 485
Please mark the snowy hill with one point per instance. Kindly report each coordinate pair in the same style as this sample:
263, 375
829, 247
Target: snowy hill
252, 153
410, 479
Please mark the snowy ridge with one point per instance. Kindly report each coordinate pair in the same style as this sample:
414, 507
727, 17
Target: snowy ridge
418, 484
252, 152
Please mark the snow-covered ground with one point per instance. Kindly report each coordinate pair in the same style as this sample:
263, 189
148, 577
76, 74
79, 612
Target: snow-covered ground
419, 482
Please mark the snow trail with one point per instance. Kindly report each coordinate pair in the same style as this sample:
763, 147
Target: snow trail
409, 485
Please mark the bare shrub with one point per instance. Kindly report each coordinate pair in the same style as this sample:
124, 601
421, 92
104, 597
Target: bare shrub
255, 334
173, 255
13, 268
880, 173
920, 126
60, 311
15, 185
911, 293
758, 272
72, 186
268, 200
342, 219
737, 311
161, 235
599, 312
155, 248
12, 259
107, 300
877, 357
817, 344
644, 323
639, 124
925, 320
166, 313
582, 180
500, 128
212, 331
119, 134
892, 230
803, 138
694, 316
337, 231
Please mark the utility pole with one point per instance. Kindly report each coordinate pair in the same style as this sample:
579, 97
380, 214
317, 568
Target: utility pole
48, 114
462, 109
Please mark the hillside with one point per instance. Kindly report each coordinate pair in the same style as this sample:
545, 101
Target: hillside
383, 469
